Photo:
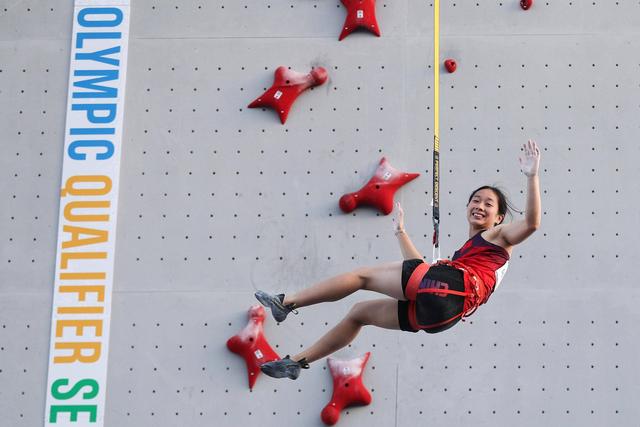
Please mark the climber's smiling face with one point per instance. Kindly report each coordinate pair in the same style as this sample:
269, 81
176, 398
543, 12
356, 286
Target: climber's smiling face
482, 210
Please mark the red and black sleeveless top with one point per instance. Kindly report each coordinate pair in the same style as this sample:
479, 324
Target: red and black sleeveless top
486, 261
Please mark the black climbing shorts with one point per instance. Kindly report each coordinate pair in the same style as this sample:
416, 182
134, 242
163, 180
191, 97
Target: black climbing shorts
427, 309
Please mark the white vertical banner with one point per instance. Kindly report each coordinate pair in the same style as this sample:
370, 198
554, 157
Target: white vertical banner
83, 282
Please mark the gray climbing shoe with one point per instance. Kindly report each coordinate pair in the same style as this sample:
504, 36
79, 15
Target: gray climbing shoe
284, 368
274, 302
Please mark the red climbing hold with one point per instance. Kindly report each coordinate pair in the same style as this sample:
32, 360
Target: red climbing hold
360, 14
251, 344
348, 389
380, 189
450, 65
526, 4
287, 85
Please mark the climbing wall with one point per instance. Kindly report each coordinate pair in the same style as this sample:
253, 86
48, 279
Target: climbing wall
218, 200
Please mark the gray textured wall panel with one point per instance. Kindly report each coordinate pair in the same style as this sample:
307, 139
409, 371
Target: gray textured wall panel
217, 200
33, 19
33, 87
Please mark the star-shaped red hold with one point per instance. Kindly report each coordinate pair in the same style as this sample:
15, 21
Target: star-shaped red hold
251, 344
287, 85
380, 189
360, 14
348, 389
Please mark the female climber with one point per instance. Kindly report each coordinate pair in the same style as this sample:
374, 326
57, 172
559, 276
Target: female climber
425, 297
